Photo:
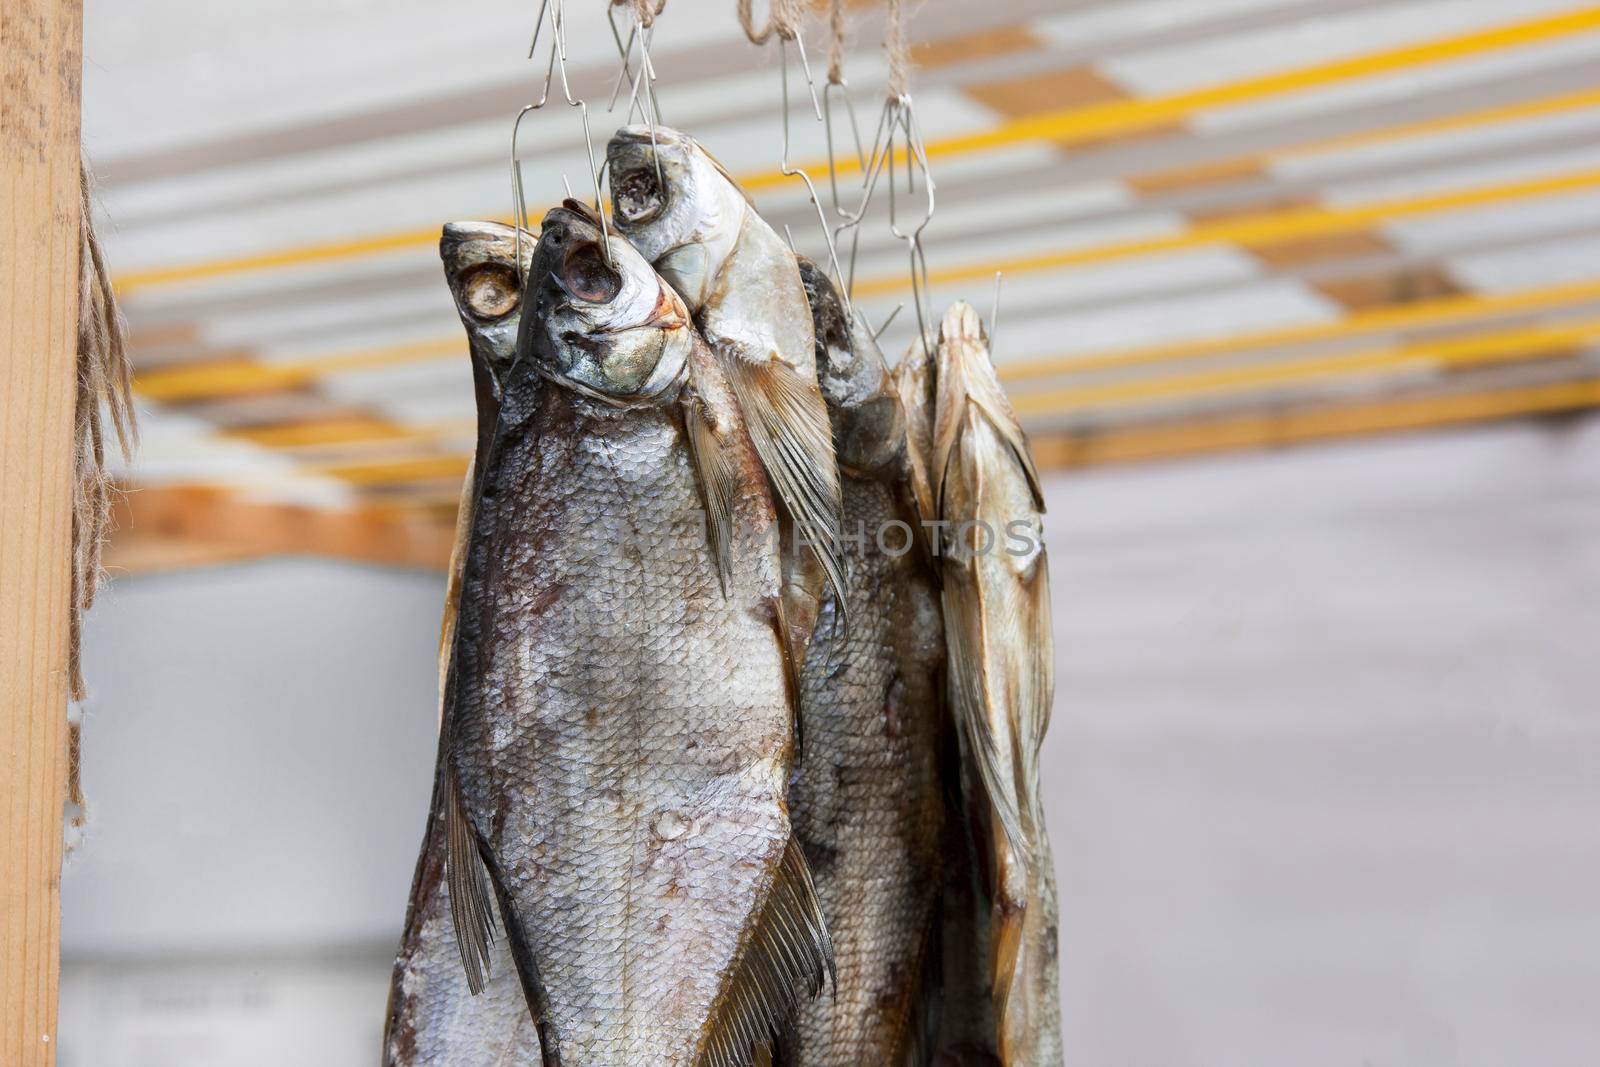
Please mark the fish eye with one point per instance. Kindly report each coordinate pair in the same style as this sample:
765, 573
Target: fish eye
637, 195
490, 291
586, 277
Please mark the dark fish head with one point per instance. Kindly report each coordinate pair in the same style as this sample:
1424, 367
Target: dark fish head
676, 204
863, 404
614, 331
480, 265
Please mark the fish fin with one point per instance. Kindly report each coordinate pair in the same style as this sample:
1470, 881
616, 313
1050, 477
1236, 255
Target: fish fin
788, 424
452, 588
989, 738
805, 589
468, 887
913, 379
787, 955
965, 375
719, 476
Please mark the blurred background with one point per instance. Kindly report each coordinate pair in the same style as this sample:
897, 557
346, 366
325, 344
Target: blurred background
1301, 302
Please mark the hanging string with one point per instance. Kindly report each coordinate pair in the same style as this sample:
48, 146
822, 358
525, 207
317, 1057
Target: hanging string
645, 11
836, 42
894, 42
104, 381
783, 17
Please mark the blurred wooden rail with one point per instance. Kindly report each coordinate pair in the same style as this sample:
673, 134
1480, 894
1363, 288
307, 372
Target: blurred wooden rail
41, 43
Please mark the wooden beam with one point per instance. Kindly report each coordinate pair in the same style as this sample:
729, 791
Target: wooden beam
41, 68
179, 527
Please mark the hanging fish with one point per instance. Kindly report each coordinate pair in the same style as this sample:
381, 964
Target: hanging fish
433, 1018
689, 217
619, 708
997, 623
869, 800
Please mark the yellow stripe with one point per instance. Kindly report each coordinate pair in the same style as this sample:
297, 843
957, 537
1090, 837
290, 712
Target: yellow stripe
1277, 428
190, 383
395, 472
1124, 116
1519, 112
1069, 124
1265, 228
229, 379
1445, 311
301, 256
1511, 345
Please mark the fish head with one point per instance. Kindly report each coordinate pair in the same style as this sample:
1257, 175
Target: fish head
863, 403
480, 266
613, 331
677, 204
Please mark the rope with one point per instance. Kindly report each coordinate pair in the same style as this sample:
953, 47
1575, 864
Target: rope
645, 11
894, 42
103, 382
784, 17
836, 42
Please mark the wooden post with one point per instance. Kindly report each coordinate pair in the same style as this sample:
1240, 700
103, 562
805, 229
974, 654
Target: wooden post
41, 69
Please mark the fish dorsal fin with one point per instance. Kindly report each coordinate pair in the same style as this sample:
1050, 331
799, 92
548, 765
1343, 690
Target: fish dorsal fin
468, 886
787, 955
788, 424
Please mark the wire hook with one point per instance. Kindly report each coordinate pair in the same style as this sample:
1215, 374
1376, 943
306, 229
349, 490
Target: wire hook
555, 12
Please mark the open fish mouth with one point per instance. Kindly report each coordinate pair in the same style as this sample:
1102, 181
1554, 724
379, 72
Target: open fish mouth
636, 194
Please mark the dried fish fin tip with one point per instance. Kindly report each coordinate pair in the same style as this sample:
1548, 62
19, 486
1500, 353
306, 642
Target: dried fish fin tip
468, 886
717, 472
788, 954
989, 738
789, 427
966, 375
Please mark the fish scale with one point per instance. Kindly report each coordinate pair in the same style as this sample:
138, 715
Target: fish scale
867, 802
607, 708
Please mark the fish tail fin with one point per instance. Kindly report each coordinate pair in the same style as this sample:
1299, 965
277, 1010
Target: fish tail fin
787, 955
468, 887
788, 424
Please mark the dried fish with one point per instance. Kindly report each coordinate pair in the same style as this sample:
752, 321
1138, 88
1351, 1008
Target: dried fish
869, 801
619, 714
997, 622
433, 1018
689, 217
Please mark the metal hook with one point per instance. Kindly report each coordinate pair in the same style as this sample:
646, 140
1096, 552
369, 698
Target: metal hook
885, 325
647, 106
790, 171
855, 132
916, 152
994, 313
555, 10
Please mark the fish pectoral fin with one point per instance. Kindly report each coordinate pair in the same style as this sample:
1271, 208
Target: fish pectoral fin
467, 884
788, 424
718, 471
787, 954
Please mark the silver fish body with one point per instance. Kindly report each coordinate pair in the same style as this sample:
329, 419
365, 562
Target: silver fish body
433, 1020
995, 577
869, 799
619, 727
741, 282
